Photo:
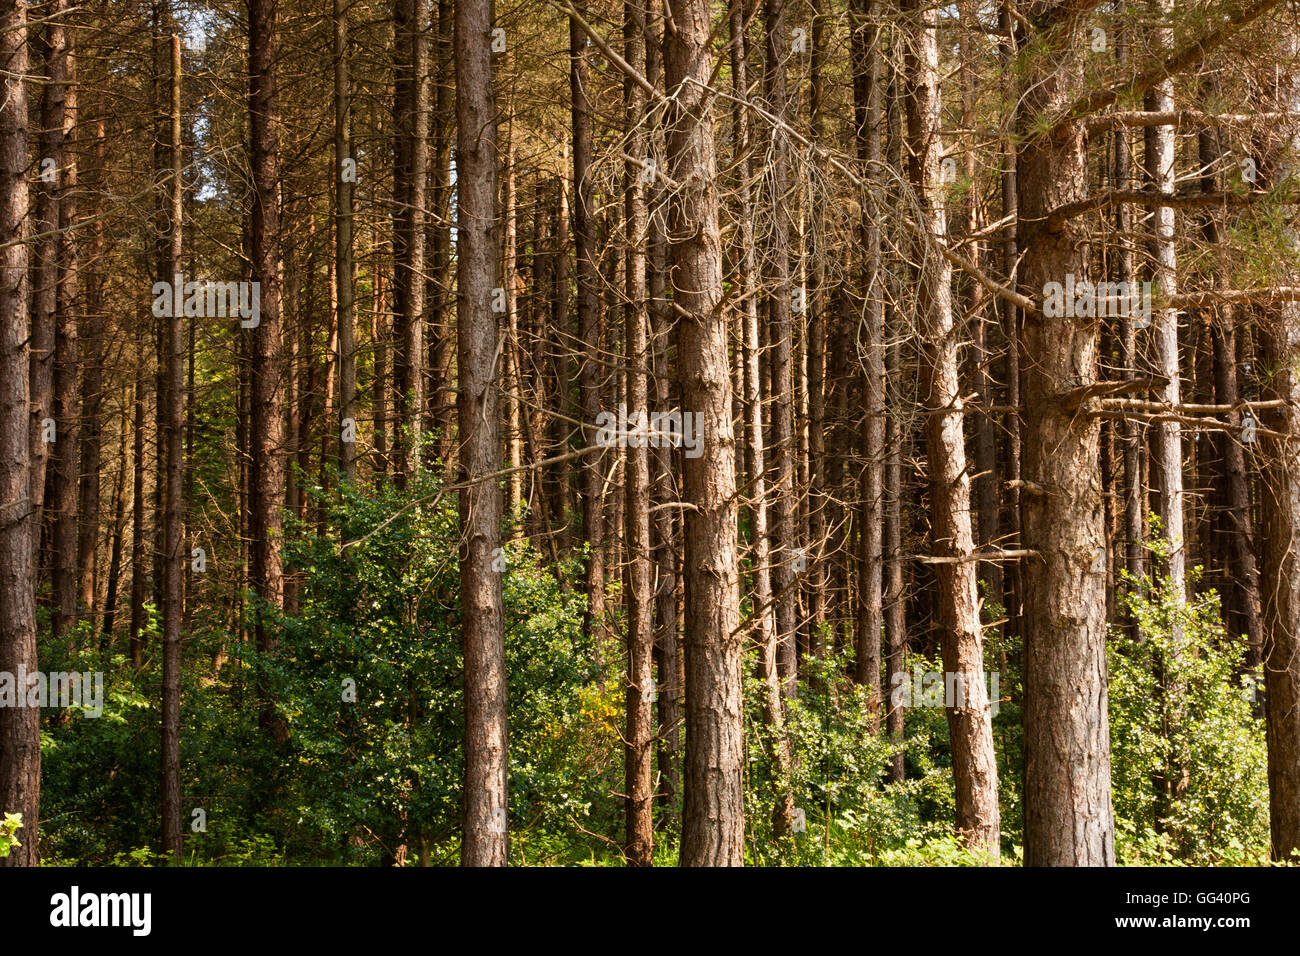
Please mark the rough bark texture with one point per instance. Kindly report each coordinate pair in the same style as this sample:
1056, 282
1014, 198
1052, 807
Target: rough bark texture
173, 556
411, 138
778, 210
55, 44
20, 727
92, 393
1280, 513
343, 268
484, 805
970, 722
868, 116
713, 814
62, 486
588, 282
639, 746
266, 390
1068, 816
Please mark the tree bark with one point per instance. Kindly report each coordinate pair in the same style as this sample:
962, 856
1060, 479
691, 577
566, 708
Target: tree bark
266, 391
588, 282
484, 798
961, 635
343, 264
411, 136
639, 746
777, 289
713, 815
1166, 436
20, 727
1068, 816
868, 117
173, 557
61, 508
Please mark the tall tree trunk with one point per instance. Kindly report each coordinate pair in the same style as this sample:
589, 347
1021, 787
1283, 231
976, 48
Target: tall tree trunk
1166, 438
1014, 578
411, 135
639, 747
173, 555
894, 602
666, 491
588, 281
1280, 514
45, 294
484, 798
1068, 816
1235, 526
1134, 493
713, 815
985, 483
20, 727
442, 397
868, 116
894, 599
344, 179
512, 387
116, 544
266, 395
139, 577
961, 635
64, 472
92, 390
778, 288
816, 352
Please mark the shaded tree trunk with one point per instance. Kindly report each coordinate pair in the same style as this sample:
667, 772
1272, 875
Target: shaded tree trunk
266, 391
20, 727
173, 556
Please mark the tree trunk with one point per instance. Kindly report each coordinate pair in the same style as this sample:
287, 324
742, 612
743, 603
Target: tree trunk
639, 746
344, 178
411, 108
92, 392
961, 635
1280, 514
20, 727
868, 117
1166, 438
266, 395
484, 798
588, 281
777, 289
173, 514
1068, 817
61, 508
713, 816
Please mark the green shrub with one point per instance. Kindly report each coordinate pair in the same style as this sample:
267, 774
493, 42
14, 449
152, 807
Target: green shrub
1188, 757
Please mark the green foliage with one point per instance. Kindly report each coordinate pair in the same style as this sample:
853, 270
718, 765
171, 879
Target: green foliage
380, 622
1188, 756
10, 825
837, 777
